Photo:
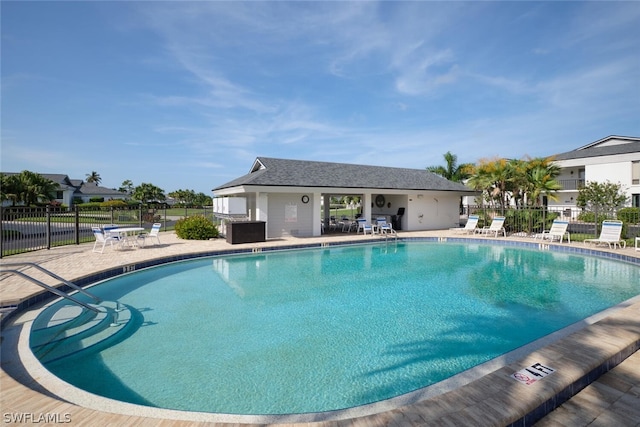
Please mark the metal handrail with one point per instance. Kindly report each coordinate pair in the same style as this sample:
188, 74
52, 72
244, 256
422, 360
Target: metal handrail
50, 273
51, 289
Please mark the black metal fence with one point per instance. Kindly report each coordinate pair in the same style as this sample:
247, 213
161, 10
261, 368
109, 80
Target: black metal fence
29, 229
529, 221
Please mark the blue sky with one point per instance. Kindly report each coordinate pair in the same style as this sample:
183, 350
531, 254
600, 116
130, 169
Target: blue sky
185, 95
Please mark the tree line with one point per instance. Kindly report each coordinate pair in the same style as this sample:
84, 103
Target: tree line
30, 188
503, 182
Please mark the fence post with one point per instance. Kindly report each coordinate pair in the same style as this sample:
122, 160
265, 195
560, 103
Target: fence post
140, 214
111, 211
48, 210
76, 215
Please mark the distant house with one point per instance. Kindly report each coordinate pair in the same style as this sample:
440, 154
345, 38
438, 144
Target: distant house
615, 159
293, 196
70, 189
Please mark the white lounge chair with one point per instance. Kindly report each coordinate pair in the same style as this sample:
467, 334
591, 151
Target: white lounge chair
610, 234
558, 231
497, 226
102, 239
364, 226
470, 227
384, 227
155, 230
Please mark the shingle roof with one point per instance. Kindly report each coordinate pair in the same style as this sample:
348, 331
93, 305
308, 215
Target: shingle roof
302, 173
594, 150
89, 189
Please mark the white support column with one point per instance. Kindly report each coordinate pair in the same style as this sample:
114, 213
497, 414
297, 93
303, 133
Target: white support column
317, 216
366, 207
262, 209
326, 211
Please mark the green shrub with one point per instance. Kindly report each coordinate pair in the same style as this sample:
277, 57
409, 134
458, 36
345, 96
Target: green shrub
629, 215
196, 227
529, 220
89, 206
96, 199
114, 203
590, 217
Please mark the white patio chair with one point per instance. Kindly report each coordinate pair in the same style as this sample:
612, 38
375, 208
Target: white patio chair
154, 233
348, 225
384, 227
102, 239
364, 226
107, 230
121, 238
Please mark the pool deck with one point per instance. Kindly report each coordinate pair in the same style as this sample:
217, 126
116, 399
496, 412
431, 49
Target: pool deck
592, 392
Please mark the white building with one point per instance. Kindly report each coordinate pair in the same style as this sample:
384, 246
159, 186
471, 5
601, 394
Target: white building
293, 196
70, 189
615, 159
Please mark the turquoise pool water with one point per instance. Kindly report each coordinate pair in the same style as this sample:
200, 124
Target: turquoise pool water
324, 329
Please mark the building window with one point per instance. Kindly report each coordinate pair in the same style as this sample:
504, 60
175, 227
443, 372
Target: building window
635, 200
59, 195
635, 173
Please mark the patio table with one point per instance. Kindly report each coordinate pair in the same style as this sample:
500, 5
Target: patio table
125, 234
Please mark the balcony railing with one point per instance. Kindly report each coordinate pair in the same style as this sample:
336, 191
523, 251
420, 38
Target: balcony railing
572, 184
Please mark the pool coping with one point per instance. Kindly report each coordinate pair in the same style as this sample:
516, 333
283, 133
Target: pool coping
549, 393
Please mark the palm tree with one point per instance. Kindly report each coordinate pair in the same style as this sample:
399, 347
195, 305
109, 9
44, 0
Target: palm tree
126, 187
9, 188
521, 180
148, 193
452, 171
496, 177
541, 177
28, 187
94, 177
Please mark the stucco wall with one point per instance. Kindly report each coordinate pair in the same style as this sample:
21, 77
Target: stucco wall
432, 212
289, 216
613, 172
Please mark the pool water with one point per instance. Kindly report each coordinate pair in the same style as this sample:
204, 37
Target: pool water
326, 329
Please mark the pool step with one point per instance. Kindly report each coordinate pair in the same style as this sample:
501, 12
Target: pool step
69, 329
55, 322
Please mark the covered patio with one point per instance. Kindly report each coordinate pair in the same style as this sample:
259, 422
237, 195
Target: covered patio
293, 197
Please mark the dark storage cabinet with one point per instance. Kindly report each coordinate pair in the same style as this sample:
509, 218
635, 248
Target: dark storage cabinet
246, 232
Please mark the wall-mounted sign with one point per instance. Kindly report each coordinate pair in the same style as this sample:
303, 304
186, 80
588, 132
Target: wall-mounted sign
291, 213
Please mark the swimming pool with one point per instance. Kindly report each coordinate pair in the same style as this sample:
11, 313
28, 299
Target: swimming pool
382, 321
